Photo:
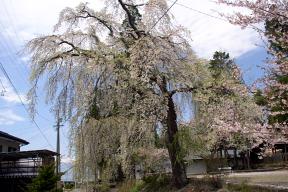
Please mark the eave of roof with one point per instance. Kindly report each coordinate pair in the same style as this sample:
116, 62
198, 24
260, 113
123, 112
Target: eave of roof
15, 155
11, 137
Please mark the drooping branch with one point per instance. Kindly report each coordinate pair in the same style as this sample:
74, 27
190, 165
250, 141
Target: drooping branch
102, 21
73, 52
71, 17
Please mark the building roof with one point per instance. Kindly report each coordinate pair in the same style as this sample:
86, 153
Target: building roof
13, 156
11, 137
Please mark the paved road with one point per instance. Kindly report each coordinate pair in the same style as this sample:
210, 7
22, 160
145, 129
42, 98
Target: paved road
277, 178
270, 178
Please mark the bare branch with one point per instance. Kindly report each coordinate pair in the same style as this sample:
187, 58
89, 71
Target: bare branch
130, 18
105, 23
136, 5
183, 90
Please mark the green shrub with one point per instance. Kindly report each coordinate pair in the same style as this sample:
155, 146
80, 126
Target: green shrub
157, 183
46, 180
103, 187
137, 187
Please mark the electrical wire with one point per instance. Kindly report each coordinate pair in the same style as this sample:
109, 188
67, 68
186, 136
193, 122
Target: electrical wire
2, 85
11, 22
162, 16
14, 30
201, 12
251, 26
154, 25
21, 101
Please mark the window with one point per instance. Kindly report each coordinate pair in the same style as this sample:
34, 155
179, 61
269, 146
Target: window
11, 149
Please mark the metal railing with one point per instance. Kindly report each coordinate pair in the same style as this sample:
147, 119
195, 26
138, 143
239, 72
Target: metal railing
20, 168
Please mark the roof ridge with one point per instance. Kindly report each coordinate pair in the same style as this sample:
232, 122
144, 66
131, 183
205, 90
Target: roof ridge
8, 136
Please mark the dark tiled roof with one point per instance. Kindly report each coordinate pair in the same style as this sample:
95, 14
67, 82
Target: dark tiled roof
13, 156
8, 136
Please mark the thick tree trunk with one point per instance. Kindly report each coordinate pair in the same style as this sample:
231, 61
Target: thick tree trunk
248, 159
178, 167
235, 158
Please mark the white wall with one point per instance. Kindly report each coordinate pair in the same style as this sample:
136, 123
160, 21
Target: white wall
5, 143
197, 167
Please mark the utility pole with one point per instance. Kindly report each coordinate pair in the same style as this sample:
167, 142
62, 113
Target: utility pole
58, 125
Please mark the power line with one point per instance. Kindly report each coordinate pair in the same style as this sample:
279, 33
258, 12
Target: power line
20, 99
11, 22
162, 16
4, 90
44, 118
11, 45
154, 25
201, 12
34, 135
215, 17
11, 57
14, 30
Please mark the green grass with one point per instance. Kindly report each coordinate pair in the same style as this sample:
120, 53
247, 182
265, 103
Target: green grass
131, 186
157, 183
243, 187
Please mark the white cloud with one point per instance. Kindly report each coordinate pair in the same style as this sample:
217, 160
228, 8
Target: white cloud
67, 159
34, 17
9, 95
211, 34
8, 117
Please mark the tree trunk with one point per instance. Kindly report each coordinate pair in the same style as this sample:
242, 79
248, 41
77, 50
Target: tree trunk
235, 158
248, 159
179, 177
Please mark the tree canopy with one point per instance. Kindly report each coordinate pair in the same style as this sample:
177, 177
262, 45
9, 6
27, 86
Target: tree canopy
113, 74
273, 13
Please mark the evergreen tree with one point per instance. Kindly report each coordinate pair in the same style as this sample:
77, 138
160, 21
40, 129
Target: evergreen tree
276, 31
46, 180
274, 15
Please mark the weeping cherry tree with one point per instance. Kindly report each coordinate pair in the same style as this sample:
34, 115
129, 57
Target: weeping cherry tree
113, 74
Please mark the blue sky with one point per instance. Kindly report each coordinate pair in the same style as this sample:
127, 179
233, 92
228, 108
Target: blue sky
21, 20
252, 64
